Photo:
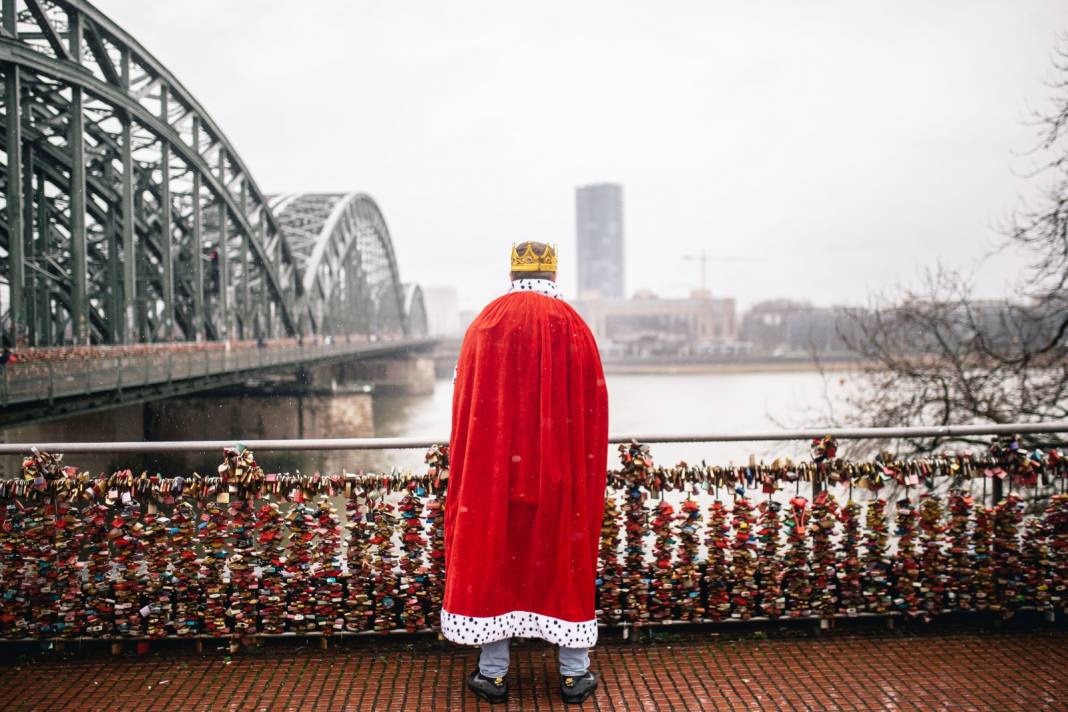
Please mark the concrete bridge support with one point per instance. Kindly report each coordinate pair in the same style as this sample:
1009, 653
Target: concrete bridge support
123, 423
292, 412
406, 375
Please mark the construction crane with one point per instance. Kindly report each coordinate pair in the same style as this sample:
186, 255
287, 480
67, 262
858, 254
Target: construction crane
703, 257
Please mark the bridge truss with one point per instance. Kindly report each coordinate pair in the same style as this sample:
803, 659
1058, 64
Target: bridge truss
345, 257
130, 216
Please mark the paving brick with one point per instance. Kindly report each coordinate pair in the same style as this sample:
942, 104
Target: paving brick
962, 672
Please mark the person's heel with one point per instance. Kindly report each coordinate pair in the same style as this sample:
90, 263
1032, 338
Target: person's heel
492, 690
576, 690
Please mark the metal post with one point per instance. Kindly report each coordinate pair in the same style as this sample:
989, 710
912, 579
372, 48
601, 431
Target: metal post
29, 246
245, 238
44, 233
114, 282
263, 327
129, 247
283, 287
10, 16
997, 491
16, 257
817, 483
144, 328
224, 258
166, 234
79, 266
351, 295
197, 246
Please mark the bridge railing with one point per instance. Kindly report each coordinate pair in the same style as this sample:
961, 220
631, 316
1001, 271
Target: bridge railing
71, 375
247, 552
413, 443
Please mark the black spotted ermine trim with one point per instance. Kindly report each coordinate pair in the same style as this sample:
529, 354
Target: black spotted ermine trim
470, 630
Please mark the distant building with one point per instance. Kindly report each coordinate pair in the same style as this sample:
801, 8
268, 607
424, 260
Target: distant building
650, 326
782, 327
599, 232
442, 311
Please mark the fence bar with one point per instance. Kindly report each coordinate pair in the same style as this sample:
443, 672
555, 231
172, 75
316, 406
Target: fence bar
423, 443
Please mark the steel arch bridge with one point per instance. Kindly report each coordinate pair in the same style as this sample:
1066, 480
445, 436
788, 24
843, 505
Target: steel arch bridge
130, 216
345, 257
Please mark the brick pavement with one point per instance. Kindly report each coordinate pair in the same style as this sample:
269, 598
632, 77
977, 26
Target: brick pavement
888, 671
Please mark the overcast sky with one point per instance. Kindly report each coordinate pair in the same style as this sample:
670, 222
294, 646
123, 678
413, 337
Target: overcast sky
817, 150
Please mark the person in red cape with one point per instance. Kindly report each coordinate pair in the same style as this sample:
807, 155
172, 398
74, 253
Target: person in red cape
528, 457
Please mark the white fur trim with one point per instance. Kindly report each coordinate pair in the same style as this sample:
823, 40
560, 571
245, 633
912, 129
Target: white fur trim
546, 287
470, 630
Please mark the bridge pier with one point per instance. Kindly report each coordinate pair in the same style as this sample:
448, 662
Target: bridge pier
281, 411
291, 411
124, 423
404, 375
445, 356
288, 397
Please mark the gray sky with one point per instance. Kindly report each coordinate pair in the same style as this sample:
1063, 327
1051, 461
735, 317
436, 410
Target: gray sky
842, 146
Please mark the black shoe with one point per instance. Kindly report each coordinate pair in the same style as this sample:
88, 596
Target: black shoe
490, 689
576, 689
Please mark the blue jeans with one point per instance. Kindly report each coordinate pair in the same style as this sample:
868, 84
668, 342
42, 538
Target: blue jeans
493, 660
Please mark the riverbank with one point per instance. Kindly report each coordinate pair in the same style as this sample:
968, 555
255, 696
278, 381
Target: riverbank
770, 365
445, 363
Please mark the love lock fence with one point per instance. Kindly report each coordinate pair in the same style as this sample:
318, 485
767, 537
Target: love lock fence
243, 552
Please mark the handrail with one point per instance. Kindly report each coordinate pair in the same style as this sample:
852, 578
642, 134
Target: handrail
31, 381
423, 443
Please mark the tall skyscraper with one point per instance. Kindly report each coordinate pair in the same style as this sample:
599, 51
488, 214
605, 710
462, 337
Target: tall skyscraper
599, 229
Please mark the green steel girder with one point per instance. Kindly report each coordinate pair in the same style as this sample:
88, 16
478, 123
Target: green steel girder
109, 28
57, 168
87, 53
79, 75
12, 52
415, 310
339, 234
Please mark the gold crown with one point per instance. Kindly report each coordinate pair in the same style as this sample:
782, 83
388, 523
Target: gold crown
529, 261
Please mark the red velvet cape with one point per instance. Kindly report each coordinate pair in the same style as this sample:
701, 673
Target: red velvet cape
527, 456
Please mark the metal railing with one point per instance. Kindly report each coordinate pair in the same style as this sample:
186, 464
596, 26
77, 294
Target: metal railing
51, 379
284, 445
366, 583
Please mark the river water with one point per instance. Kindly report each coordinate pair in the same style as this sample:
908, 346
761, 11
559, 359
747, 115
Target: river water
643, 404
654, 404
